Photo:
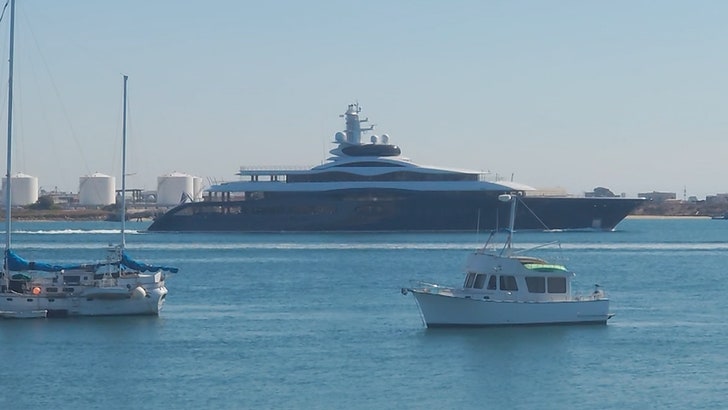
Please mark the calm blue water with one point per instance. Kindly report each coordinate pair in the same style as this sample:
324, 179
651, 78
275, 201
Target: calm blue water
318, 321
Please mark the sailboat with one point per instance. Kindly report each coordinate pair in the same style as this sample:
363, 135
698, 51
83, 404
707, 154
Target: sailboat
118, 285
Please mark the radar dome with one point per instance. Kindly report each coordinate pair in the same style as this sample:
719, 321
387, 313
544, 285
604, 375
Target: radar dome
340, 137
374, 139
385, 139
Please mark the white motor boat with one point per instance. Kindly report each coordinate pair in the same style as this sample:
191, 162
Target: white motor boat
505, 288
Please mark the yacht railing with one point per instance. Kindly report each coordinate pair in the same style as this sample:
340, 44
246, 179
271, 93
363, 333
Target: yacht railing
274, 168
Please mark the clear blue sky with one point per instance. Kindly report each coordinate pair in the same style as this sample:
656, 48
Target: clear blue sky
631, 95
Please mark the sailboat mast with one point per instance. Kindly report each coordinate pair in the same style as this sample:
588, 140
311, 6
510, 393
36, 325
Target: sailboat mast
10, 135
123, 169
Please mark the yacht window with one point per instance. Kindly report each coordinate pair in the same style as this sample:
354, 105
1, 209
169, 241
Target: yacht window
369, 164
557, 285
508, 282
491, 282
536, 284
480, 281
469, 280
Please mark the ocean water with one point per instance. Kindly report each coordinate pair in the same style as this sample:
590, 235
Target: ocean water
318, 321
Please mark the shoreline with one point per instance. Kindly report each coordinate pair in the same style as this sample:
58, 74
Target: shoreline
668, 217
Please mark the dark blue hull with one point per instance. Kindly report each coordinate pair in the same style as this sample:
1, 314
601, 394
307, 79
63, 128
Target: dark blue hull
392, 210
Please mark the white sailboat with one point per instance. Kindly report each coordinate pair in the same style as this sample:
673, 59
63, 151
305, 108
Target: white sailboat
118, 285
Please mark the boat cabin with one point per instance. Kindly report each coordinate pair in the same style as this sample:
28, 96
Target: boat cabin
516, 278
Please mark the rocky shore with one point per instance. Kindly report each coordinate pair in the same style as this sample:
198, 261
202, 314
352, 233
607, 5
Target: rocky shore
682, 208
76, 215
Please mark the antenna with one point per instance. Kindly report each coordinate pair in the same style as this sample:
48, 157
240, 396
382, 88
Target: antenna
477, 228
512, 221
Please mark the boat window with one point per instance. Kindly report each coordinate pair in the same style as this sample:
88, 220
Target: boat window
557, 285
469, 280
491, 282
508, 282
480, 281
72, 280
536, 284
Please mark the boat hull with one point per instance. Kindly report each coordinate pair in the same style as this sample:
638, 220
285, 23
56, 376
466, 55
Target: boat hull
100, 304
24, 314
449, 311
392, 210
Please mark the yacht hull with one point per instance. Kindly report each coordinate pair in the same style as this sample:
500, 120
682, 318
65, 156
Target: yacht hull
392, 210
450, 311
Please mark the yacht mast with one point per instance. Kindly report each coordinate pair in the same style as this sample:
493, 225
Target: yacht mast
10, 142
123, 170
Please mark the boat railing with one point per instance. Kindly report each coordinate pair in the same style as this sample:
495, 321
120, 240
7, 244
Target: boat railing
105, 282
543, 245
275, 169
597, 294
430, 287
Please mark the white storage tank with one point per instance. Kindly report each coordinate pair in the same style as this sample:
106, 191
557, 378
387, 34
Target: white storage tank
197, 186
171, 188
96, 190
23, 189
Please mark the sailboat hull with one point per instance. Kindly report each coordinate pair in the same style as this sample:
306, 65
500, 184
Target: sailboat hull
89, 304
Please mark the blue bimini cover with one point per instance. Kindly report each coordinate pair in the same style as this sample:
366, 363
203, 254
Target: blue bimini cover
143, 267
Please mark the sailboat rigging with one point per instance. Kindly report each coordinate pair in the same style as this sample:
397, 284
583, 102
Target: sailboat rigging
119, 285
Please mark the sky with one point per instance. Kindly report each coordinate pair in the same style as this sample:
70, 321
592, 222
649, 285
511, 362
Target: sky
628, 95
